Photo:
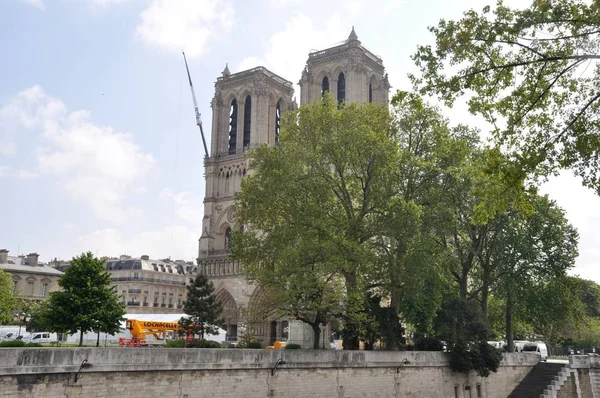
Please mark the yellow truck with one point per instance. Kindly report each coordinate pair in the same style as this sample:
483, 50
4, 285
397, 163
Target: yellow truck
141, 329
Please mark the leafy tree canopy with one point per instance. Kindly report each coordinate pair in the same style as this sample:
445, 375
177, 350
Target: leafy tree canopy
532, 73
87, 302
7, 298
312, 205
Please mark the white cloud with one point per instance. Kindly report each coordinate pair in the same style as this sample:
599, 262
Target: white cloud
282, 3
35, 3
22, 113
287, 50
186, 205
176, 241
98, 165
188, 25
26, 174
106, 3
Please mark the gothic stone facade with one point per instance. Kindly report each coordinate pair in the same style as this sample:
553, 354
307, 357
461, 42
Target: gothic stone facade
247, 109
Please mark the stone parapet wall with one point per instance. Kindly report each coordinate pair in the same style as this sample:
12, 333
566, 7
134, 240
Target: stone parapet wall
187, 373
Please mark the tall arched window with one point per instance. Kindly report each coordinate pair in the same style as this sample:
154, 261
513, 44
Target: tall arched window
233, 116
277, 122
325, 85
227, 238
341, 88
247, 121
370, 93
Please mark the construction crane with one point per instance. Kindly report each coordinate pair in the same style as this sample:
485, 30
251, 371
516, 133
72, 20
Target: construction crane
198, 119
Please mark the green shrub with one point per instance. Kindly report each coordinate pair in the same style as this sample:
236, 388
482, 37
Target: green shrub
197, 343
429, 344
175, 344
292, 346
12, 343
249, 340
33, 345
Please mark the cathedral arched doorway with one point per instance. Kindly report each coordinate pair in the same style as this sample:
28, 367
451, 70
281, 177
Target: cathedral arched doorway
229, 314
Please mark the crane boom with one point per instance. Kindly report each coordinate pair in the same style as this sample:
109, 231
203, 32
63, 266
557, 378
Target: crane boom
198, 119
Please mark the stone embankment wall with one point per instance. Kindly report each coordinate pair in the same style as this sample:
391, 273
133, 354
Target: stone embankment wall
188, 373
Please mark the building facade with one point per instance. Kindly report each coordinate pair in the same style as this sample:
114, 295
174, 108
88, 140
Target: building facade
31, 279
149, 286
247, 109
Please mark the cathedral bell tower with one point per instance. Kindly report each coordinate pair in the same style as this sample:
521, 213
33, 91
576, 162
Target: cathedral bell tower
349, 71
246, 112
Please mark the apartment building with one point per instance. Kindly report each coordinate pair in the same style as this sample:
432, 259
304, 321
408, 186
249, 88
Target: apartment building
148, 286
31, 278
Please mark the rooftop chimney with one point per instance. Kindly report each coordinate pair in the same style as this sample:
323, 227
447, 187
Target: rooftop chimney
3, 256
32, 259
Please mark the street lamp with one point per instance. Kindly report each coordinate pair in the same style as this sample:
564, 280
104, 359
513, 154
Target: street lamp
25, 318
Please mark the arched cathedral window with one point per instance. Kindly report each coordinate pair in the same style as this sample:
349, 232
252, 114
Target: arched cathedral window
370, 93
233, 116
277, 122
247, 121
227, 238
341, 88
325, 85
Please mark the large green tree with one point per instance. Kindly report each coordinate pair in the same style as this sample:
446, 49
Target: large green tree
7, 298
532, 252
532, 73
87, 302
322, 191
202, 308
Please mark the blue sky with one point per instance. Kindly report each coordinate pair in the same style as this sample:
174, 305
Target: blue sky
98, 146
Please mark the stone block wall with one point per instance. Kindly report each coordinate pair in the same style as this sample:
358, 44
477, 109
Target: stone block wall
187, 373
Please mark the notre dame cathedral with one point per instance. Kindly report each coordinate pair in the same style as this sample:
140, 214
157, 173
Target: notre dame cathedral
247, 109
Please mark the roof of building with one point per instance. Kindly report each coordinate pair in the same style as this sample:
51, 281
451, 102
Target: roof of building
20, 264
144, 263
351, 42
251, 72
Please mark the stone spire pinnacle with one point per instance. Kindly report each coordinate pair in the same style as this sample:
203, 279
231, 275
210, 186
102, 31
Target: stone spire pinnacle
226, 71
353, 35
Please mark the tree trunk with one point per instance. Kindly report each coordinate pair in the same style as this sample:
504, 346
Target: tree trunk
81, 338
466, 266
509, 326
351, 327
485, 291
316, 334
98, 340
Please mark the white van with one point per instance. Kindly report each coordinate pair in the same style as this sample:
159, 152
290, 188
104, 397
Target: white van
10, 333
537, 347
41, 337
518, 344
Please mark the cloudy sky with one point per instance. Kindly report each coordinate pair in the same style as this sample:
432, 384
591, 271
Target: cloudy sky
98, 145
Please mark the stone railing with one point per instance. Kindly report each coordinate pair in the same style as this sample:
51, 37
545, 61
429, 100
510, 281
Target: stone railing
249, 72
219, 267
